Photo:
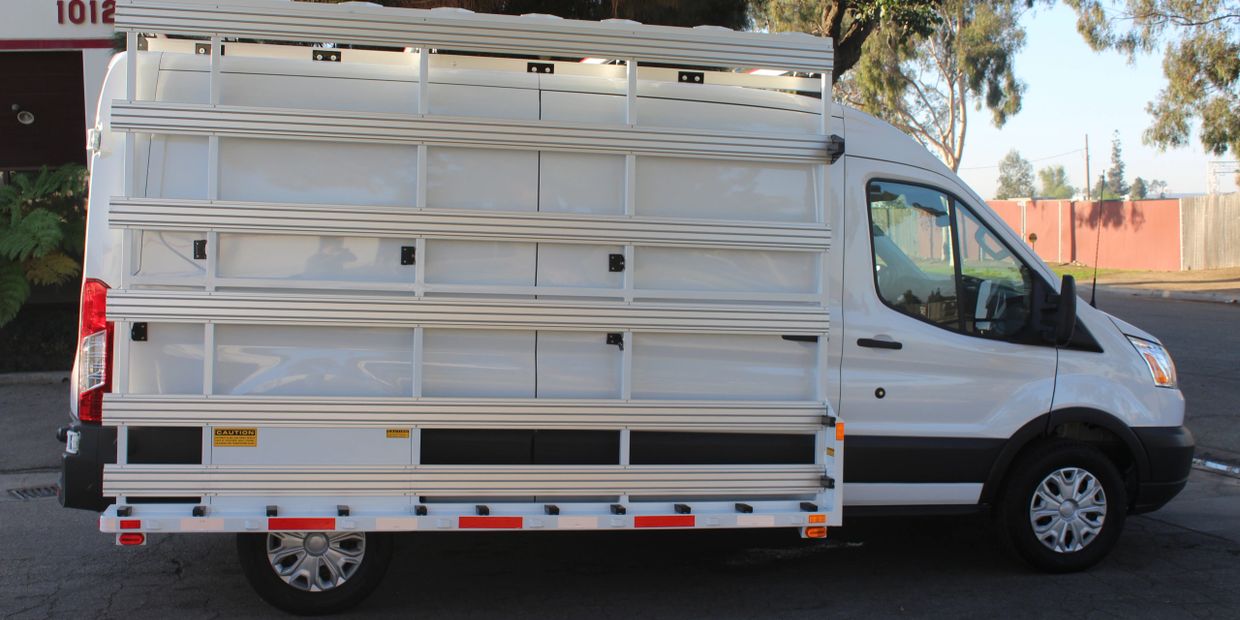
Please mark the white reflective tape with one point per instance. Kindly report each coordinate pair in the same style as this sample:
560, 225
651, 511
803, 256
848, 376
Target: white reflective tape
396, 523
755, 520
202, 524
578, 523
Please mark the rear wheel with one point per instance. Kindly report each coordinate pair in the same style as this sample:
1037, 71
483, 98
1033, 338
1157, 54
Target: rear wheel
1063, 506
310, 573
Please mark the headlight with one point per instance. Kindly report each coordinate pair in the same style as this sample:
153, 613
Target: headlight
1162, 369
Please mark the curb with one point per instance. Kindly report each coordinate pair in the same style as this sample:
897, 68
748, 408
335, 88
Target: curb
1218, 298
31, 378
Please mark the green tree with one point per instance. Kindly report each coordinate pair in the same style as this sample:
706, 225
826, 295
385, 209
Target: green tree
1138, 190
1015, 177
849, 23
1116, 185
1055, 183
1201, 63
927, 84
42, 232
1158, 188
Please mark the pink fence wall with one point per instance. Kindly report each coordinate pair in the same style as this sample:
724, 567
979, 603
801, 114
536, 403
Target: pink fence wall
1144, 234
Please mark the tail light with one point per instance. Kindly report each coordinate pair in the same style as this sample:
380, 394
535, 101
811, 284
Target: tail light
94, 362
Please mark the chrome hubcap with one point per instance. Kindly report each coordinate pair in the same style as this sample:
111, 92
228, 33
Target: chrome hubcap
315, 561
1068, 509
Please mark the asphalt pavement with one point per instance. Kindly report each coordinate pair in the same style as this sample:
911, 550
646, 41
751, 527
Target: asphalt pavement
1182, 561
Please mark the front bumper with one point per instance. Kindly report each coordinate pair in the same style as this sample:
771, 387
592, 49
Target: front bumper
1169, 451
81, 472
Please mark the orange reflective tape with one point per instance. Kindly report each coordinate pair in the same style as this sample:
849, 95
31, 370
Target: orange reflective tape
818, 518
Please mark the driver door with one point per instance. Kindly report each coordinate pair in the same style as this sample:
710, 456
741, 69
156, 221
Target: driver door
940, 362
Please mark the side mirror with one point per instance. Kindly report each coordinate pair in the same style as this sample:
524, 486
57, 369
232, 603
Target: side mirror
1065, 312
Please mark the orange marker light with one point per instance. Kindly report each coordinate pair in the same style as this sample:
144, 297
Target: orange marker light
839, 431
815, 532
818, 519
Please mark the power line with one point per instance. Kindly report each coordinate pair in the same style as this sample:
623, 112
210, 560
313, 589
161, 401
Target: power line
1032, 161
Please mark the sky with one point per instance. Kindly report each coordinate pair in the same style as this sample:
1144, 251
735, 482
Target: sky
1072, 91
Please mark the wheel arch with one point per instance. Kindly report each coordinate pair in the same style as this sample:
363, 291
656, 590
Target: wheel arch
1068, 422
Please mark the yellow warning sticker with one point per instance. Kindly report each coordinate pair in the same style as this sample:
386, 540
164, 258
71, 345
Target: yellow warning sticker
398, 433
234, 437
830, 451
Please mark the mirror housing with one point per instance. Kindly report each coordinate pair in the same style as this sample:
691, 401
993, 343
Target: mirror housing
1065, 311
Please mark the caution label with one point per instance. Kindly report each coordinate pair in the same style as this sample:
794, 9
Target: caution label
234, 437
398, 433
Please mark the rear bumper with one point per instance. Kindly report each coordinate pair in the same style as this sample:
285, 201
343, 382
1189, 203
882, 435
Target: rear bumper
81, 473
1170, 454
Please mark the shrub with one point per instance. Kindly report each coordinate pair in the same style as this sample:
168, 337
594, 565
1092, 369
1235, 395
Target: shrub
42, 232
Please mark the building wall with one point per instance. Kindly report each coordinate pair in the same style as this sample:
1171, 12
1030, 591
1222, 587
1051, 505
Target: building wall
1211, 233
1144, 234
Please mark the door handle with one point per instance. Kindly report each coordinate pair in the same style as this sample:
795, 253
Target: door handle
879, 344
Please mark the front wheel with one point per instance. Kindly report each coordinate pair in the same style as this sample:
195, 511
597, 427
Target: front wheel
312, 573
1063, 506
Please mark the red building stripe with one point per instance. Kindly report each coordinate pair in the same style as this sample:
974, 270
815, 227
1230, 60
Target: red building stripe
54, 44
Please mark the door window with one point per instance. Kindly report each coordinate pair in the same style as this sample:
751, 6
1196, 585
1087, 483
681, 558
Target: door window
936, 261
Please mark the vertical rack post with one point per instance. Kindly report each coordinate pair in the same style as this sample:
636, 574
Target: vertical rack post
208, 359
424, 106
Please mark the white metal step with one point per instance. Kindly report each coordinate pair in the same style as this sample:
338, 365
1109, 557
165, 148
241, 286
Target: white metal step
410, 129
463, 480
456, 30
400, 222
353, 412
404, 311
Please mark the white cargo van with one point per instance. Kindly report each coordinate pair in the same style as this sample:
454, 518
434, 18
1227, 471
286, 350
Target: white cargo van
353, 271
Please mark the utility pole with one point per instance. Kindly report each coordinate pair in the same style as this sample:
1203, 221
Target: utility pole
1088, 179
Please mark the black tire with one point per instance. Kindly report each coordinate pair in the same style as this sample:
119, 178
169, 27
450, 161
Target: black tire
252, 551
1015, 508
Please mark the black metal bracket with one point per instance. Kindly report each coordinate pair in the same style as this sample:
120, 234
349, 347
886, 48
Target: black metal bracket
419, 510
617, 339
691, 77
482, 510
795, 338
273, 511
809, 507
615, 262
326, 55
828, 482
551, 509
745, 508
137, 332
199, 511
618, 509
342, 511
124, 511
200, 249
682, 509
408, 255
539, 67
204, 49
835, 148
828, 421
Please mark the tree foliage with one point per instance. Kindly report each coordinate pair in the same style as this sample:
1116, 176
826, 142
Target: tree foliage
1015, 177
927, 84
1054, 180
850, 23
42, 232
1116, 184
727, 13
1138, 190
1201, 63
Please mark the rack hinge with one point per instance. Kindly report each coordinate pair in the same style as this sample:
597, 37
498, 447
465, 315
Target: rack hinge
137, 332
326, 55
200, 249
616, 338
691, 77
835, 147
828, 482
408, 255
539, 67
828, 421
615, 263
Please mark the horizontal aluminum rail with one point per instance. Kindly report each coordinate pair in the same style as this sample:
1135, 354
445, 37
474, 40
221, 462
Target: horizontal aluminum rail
752, 417
412, 129
464, 31
463, 480
403, 311
404, 222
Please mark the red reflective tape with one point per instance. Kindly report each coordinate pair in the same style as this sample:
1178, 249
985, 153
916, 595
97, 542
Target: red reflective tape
490, 523
665, 521
317, 524
131, 524
55, 44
